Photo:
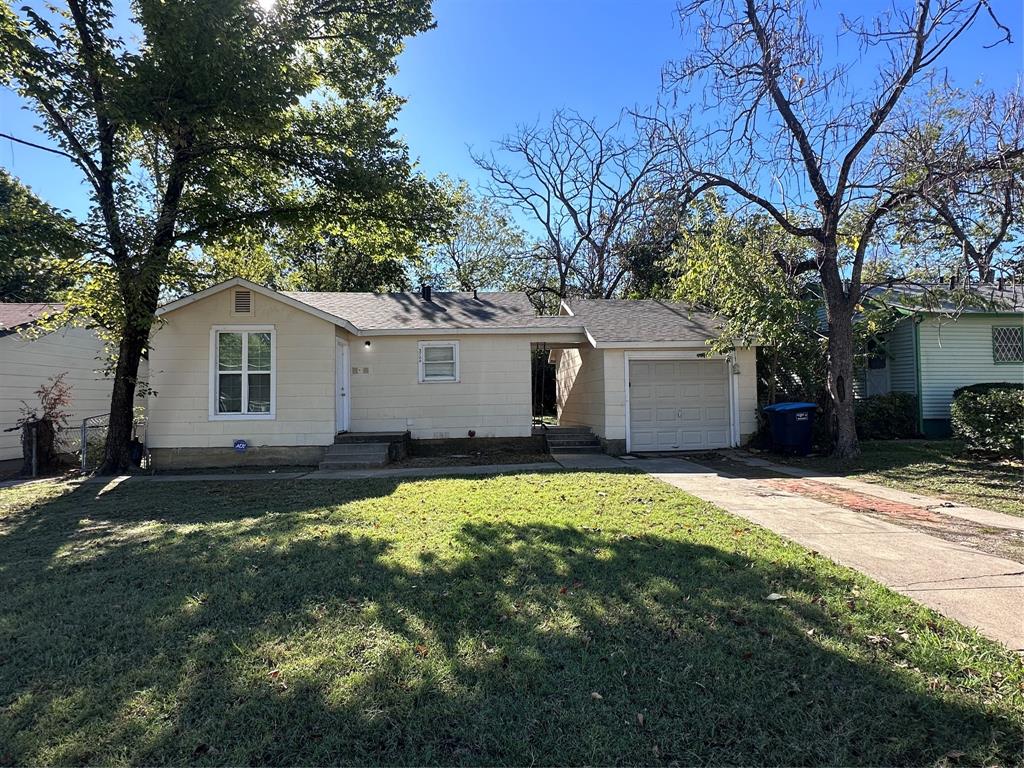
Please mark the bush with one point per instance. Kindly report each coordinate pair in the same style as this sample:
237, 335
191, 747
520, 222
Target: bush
985, 387
886, 417
991, 420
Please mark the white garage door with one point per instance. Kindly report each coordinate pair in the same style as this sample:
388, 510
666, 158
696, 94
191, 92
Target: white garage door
678, 405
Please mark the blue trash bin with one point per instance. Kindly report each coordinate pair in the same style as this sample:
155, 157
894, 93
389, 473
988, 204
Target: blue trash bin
792, 427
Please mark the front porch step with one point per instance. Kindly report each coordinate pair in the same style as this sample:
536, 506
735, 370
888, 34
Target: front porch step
572, 440
355, 456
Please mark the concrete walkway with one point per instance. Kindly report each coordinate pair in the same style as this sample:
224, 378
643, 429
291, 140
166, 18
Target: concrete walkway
973, 587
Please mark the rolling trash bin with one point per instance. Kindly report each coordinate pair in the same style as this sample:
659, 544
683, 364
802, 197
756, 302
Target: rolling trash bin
792, 426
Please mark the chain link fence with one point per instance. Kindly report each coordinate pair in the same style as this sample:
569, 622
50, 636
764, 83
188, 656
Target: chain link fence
92, 435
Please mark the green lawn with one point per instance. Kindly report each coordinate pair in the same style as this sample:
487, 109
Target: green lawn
941, 468
548, 618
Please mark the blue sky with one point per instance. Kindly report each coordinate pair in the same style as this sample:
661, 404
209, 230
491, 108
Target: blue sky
492, 64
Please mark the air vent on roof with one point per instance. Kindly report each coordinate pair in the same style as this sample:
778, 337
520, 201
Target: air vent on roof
243, 302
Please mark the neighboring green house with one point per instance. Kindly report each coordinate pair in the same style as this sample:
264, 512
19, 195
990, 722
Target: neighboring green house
938, 346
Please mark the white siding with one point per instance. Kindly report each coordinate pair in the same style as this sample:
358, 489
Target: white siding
25, 365
492, 397
579, 388
746, 385
180, 377
902, 360
958, 352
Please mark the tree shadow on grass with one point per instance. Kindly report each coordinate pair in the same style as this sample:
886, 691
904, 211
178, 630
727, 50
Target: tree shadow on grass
153, 629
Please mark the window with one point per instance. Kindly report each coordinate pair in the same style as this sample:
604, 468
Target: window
439, 361
242, 373
1007, 344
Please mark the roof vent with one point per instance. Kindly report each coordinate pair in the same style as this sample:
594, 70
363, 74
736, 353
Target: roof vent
243, 302
425, 292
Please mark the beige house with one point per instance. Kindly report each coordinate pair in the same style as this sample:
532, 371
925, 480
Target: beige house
244, 374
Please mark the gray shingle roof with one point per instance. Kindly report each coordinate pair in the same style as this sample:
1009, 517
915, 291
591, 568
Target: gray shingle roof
939, 297
389, 311
622, 320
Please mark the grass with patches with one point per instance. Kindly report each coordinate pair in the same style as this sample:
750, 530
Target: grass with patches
942, 468
550, 618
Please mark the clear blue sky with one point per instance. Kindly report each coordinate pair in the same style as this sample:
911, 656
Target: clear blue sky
491, 64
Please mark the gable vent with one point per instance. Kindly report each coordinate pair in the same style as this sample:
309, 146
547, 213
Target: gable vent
243, 302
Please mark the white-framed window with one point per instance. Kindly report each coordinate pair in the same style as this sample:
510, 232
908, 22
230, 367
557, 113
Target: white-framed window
243, 372
1007, 344
439, 361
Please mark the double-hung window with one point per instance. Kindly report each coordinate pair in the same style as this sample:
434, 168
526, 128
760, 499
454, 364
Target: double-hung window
1008, 344
439, 361
242, 373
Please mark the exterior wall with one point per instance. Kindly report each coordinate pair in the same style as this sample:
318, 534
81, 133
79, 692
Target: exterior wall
902, 359
492, 397
180, 377
580, 388
958, 352
746, 390
25, 365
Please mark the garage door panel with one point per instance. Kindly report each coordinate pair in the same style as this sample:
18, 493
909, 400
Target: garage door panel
716, 414
666, 415
678, 405
642, 416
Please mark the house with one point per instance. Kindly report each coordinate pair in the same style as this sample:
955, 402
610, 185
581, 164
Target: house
28, 360
241, 373
944, 340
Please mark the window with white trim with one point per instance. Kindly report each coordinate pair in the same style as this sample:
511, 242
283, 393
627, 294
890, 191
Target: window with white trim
1007, 344
439, 361
243, 373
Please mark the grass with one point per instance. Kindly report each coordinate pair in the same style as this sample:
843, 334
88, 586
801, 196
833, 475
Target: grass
942, 468
548, 618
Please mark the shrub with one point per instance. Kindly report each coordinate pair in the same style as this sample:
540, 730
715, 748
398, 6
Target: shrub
886, 417
992, 420
988, 387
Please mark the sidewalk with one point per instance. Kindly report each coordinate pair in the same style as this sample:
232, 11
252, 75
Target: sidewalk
973, 587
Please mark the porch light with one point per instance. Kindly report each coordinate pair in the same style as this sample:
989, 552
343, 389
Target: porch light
366, 343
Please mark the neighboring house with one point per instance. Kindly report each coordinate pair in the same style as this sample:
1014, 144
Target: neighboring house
28, 361
280, 374
938, 346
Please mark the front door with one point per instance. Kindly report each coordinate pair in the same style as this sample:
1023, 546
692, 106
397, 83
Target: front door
341, 392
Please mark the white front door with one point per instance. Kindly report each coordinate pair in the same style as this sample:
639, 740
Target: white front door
341, 405
678, 405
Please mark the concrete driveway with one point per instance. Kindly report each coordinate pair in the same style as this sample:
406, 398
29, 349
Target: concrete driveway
840, 519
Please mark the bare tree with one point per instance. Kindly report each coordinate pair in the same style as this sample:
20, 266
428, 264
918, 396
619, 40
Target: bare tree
588, 188
792, 131
971, 219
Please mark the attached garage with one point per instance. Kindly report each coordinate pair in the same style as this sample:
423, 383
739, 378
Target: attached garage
678, 405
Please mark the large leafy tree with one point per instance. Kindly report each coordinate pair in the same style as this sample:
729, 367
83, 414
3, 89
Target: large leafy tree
220, 116
35, 241
484, 249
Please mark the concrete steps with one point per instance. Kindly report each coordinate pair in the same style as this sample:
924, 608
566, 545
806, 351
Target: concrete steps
355, 456
572, 440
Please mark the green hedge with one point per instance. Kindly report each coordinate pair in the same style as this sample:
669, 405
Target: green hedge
988, 387
886, 417
990, 420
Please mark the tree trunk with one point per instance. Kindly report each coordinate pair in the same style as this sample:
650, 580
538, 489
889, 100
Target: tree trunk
122, 400
840, 368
